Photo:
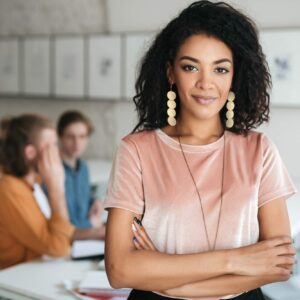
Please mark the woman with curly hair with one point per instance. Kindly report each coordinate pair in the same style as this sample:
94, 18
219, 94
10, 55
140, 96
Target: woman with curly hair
209, 190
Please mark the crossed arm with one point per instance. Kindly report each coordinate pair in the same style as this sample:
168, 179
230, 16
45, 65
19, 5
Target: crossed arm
203, 274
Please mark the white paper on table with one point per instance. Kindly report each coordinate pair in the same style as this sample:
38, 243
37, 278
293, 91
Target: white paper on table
87, 248
96, 282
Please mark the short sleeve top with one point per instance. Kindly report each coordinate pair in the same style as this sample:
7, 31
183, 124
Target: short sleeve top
150, 177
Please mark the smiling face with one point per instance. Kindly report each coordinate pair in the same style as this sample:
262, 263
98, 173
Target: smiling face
202, 72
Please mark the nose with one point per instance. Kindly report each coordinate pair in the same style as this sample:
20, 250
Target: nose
75, 141
204, 80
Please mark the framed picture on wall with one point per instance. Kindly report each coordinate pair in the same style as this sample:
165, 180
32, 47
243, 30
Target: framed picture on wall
282, 50
104, 67
9, 66
36, 68
136, 46
69, 67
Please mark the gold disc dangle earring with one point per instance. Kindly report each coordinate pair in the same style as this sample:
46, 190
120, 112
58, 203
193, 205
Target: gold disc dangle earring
171, 112
230, 107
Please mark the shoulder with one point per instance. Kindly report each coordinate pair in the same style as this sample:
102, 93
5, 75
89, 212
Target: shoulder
136, 145
139, 139
252, 138
13, 188
254, 144
13, 183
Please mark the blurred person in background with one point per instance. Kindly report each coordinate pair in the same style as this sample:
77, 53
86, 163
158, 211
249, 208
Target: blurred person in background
74, 130
31, 225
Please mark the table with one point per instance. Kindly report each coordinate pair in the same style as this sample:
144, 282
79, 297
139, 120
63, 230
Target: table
42, 280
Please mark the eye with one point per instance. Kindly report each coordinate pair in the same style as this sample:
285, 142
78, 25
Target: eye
221, 70
190, 68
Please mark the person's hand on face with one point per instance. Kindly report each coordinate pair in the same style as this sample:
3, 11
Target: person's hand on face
50, 166
48, 161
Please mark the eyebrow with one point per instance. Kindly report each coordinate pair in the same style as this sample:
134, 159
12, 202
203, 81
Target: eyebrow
197, 61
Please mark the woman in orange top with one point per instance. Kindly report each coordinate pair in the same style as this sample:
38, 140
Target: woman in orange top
29, 150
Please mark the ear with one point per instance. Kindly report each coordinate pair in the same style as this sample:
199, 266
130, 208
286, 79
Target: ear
170, 73
30, 152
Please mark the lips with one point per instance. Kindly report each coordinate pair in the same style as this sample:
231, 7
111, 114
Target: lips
204, 99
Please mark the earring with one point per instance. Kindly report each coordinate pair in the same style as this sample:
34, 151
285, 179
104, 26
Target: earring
171, 112
230, 107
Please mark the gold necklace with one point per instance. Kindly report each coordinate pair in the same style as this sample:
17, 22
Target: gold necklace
200, 200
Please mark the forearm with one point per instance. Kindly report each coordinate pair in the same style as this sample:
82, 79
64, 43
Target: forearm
94, 233
222, 285
148, 270
128, 266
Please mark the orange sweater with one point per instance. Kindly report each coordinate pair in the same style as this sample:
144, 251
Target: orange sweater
24, 231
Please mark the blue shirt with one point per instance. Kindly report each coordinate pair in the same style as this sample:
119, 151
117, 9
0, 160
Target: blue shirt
78, 194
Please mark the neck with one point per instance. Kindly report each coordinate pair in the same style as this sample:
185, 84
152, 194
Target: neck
30, 178
199, 132
69, 160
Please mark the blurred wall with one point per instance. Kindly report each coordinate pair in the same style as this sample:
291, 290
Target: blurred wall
115, 119
55, 17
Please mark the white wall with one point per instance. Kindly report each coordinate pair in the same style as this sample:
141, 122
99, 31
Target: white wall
23, 17
150, 15
284, 131
57, 17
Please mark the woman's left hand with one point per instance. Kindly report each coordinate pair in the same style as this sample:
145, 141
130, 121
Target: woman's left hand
141, 239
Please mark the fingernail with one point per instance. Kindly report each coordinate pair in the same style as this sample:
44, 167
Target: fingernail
134, 239
138, 221
133, 227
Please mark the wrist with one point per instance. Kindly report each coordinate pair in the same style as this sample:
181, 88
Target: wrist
230, 261
56, 189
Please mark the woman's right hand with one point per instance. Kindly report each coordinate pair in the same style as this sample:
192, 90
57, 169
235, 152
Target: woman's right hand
274, 256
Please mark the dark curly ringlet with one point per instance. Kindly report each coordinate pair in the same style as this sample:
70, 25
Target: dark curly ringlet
251, 80
16, 133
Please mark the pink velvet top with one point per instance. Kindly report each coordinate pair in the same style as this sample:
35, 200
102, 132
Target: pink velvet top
150, 177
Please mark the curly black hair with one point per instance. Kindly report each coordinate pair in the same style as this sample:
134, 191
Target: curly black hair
251, 80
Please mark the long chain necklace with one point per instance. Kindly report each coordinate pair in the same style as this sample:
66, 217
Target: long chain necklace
211, 248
